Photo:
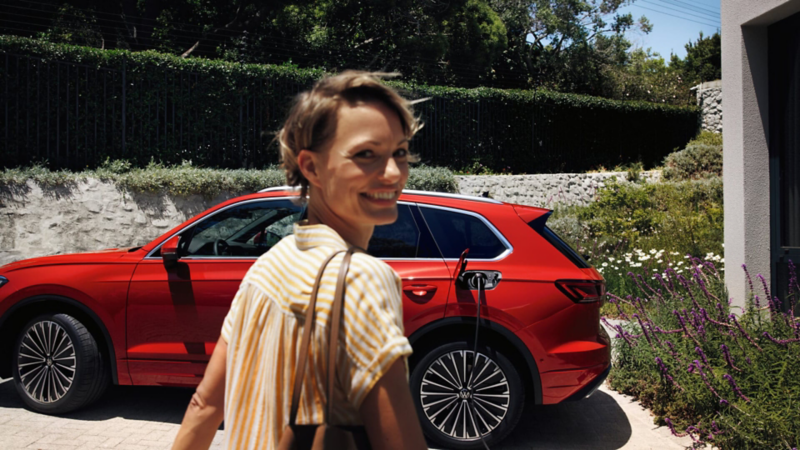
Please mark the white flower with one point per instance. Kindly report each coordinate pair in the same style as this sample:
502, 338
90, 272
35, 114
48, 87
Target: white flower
660, 261
680, 270
722, 260
653, 251
686, 257
679, 263
605, 264
611, 259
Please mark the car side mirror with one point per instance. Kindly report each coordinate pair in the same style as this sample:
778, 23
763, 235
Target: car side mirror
169, 251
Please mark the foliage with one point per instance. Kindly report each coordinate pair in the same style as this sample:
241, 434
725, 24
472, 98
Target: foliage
628, 221
563, 45
426, 178
186, 179
702, 158
703, 61
646, 76
431, 41
221, 114
725, 379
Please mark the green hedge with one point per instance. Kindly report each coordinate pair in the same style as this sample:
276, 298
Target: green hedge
76, 106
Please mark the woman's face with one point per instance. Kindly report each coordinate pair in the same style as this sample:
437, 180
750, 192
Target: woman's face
364, 167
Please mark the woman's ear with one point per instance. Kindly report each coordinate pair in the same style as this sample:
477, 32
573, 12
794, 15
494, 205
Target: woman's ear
308, 164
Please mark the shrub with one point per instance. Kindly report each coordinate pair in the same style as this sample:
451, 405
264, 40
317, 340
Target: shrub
724, 379
186, 179
686, 217
642, 228
702, 158
222, 114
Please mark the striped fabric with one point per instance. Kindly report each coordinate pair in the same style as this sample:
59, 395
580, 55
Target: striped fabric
264, 327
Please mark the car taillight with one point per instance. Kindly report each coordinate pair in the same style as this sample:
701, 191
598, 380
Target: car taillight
583, 291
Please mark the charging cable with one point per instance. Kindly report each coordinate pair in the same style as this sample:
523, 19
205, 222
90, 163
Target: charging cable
479, 279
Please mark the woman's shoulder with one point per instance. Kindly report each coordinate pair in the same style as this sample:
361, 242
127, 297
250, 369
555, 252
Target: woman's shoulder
364, 265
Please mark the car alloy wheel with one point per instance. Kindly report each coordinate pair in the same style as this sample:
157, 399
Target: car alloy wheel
57, 365
459, 396
46, 362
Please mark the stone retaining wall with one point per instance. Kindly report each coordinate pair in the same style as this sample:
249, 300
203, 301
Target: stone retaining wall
87, 216
544, 190
93, 215
709, 99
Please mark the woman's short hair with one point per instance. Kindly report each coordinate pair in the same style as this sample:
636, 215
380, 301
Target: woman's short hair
312, 119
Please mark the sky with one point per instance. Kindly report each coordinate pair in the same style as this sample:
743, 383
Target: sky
675, 23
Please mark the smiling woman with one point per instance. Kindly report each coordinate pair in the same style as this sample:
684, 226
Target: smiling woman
346, 144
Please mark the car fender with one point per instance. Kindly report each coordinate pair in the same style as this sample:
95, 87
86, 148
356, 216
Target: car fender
468, 323
49, 297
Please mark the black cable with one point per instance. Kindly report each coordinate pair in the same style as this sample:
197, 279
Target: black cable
481, 284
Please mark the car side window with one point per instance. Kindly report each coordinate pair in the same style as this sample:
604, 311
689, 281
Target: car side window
456, 231
397, 240
247, 229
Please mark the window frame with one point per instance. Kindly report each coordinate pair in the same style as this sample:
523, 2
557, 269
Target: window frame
509, 248
196, 222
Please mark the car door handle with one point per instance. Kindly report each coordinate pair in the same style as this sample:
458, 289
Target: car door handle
420, 290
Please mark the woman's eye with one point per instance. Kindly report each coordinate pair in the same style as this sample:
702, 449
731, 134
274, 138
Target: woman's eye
365, 154
401, 153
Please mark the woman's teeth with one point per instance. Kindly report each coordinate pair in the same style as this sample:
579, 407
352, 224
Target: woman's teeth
382, 195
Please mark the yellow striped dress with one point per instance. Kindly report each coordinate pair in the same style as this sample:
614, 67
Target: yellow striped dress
264, 327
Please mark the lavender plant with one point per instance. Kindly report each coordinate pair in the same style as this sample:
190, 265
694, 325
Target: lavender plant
724, 375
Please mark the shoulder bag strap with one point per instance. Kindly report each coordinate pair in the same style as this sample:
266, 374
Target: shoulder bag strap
333, 337
304, 343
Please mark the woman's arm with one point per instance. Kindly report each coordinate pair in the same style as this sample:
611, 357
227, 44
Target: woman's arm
389, 414
207, 408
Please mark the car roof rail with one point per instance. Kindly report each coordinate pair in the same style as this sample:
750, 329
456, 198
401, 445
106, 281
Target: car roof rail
411, 192
278, 188
455, 196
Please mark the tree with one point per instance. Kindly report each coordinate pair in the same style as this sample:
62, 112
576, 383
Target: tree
703, 61
646, 76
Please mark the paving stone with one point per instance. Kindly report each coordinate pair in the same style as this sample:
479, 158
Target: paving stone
124, 419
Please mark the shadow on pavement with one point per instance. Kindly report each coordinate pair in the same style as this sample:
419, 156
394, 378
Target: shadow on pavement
153, 404
596, 423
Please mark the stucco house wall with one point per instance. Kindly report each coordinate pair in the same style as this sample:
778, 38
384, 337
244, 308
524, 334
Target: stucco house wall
745, 124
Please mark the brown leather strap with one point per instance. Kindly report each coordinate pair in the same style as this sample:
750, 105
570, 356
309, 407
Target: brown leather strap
304, 343
333, 337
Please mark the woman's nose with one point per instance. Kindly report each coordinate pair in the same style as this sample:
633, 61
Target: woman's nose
391, 171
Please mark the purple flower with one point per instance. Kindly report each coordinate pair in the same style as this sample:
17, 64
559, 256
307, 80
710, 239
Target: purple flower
735, 387
672, 428
644, 330
703, 357
744, 333
749, 280
727, 353
699, 369
666, 373
780, 341
764, 283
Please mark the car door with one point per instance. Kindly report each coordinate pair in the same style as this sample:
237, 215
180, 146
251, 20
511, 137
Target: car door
407, 246
175, 314
456, 230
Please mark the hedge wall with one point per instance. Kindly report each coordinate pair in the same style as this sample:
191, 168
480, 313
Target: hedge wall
75, 106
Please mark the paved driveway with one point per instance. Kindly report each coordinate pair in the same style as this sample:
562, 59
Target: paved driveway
145, 418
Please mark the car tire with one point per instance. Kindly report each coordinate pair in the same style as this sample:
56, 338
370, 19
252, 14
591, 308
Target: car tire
443, 397
57, 365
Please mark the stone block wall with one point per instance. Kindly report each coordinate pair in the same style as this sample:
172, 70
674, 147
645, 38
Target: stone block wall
543, 190
709, 100
93, 215
87, 216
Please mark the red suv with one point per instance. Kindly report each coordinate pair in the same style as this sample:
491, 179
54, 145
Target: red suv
128, 316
